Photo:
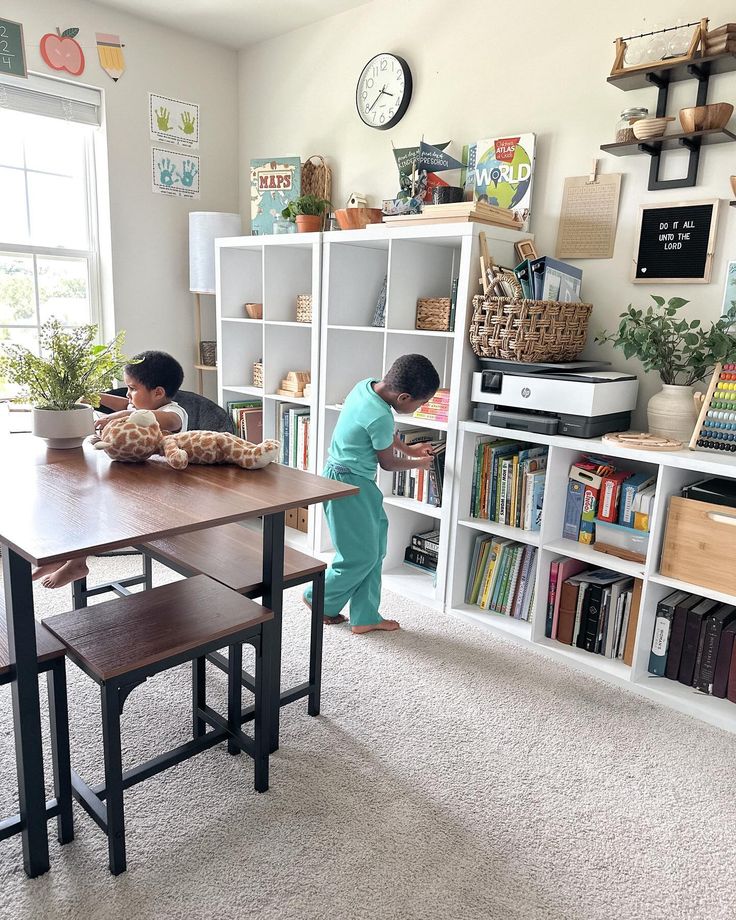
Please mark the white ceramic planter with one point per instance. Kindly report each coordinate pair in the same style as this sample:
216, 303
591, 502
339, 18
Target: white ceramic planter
672, 413
63, 428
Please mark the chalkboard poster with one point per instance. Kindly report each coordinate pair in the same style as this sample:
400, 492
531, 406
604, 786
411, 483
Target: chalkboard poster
676, 242
12, 51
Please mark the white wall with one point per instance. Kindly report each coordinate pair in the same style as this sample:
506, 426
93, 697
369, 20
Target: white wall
150, 232
483, 68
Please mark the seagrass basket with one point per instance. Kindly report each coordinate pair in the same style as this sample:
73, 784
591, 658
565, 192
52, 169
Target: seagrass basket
528, 330
304, 308
258, 374
208, 353
433, 313
317, 180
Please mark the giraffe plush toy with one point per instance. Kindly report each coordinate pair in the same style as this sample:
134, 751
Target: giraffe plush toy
137, 437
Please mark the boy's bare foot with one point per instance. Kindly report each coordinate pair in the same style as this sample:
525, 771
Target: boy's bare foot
328, 621
388, 625
45, 570
69, 572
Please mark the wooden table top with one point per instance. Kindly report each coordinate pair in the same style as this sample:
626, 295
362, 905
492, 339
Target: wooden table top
53, 507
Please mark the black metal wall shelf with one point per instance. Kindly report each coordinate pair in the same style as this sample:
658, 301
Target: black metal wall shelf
674, 73
670, 142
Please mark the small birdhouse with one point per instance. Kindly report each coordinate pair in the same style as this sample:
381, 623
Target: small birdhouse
356, 200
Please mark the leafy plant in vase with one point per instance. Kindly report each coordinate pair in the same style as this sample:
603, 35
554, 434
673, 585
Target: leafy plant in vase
681, 351
308, 211
73, 368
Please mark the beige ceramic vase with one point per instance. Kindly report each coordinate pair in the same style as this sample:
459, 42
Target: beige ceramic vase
62, 428
672, 413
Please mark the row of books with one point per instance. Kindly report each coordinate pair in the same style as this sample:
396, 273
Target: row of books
423, 551
598, 491
508, 483
422, 485
545, 278
247, 416
693, 643
592, 609
294, 423
502, 577
437, 408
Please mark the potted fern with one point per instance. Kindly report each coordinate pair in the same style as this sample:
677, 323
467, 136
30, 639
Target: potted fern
308, 211
73, 368
681, 351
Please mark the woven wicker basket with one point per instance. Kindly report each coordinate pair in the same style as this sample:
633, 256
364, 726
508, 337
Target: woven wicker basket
528, 330
433, 313
304, 308
208, 353
317, 180
258, 374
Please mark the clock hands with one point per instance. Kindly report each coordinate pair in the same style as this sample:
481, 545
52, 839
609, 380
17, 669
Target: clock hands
383, 92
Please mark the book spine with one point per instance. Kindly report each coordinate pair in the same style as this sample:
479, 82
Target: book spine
700, 652
609, 499
509, 593
573, 510
425, 560
660, 639
578, 631
587, 518
503, 492
592, 618
723, 664
551, 597
425, 545
711, 638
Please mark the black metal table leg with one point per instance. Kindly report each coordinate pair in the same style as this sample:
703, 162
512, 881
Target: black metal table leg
26, 712
234, 693
273, 599
113, 778
60, 754
315, 644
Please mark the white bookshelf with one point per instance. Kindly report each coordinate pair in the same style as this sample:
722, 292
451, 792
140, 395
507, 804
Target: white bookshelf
673, 471
271, 270
417, 263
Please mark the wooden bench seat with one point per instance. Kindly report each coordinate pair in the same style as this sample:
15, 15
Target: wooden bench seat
48, 648
232, 555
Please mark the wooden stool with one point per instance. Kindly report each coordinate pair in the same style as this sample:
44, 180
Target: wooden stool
51, 656
122, 642
233, 555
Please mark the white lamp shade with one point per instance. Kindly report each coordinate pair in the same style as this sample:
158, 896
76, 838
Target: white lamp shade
204, 228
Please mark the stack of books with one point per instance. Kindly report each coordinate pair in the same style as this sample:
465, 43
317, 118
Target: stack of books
247, 416
423, 551
437, 408
294, 425
422, 485
502, 577
479, 212
508, 483
693, 643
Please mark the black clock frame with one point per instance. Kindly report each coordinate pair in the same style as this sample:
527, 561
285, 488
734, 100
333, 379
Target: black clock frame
409, 87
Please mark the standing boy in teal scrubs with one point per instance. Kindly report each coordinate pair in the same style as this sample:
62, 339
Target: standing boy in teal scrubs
363, 438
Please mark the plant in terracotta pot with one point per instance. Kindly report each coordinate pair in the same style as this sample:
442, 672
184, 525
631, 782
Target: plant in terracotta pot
73, 367
681, 351
308, 211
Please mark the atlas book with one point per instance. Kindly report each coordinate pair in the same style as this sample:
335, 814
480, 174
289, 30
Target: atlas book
500, 171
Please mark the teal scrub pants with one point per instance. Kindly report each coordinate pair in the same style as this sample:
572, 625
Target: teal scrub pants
358, 527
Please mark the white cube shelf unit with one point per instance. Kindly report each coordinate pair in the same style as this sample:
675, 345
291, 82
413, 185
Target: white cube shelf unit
271, 270
415, 263
673, 471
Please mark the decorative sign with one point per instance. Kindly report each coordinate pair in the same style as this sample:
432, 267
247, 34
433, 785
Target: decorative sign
676, 242
173, 121
174, 174
12, 49
61, 51
110, 53
588, 217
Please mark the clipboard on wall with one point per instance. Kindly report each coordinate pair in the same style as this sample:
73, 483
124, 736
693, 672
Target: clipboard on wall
589, 216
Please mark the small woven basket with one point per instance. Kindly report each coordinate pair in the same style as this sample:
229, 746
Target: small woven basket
433, 313
258, 374
304, 308
208, 353
528, 330
317, 180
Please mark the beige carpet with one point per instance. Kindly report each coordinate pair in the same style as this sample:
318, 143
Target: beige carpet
451, 775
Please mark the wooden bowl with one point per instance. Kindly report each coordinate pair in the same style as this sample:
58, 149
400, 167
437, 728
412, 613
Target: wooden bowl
705, 117
254, 310
358, 218
647, 128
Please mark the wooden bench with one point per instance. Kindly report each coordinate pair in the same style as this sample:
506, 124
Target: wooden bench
233, 555
122, 642
51, 655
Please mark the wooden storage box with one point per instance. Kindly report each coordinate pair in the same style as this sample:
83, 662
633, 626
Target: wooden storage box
700, 544
291, 518
302, 519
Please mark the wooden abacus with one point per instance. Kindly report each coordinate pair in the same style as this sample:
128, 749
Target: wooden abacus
716, 426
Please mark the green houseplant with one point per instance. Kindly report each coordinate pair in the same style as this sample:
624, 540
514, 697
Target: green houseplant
308, 211
681, 351
73, 367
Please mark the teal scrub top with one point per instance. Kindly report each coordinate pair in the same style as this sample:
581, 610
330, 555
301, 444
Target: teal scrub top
365, 425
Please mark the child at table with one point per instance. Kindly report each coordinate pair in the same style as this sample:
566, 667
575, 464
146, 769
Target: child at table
152, 379
363, 438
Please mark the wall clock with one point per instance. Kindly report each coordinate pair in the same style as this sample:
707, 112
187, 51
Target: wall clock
383, 92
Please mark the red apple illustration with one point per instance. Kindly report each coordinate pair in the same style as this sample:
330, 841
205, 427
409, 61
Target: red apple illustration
61, 52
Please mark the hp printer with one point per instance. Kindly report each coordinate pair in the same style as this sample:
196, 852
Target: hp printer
580, 399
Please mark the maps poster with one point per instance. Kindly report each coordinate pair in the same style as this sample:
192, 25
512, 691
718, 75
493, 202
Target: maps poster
274, 183
501, 171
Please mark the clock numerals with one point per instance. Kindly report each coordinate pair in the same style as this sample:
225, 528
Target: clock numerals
384, 63
384, 91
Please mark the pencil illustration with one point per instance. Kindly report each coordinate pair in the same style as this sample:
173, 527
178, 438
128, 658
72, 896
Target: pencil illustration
110, 53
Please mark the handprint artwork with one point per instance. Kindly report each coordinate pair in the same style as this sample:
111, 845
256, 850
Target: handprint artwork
167, 172
187, 122
162, 119
188, 171
175, 174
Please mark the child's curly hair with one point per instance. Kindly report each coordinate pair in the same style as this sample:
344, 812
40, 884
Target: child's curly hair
413, 374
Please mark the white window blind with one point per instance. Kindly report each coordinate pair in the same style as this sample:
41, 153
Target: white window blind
41, 95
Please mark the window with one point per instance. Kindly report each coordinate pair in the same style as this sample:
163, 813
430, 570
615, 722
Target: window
48, 220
